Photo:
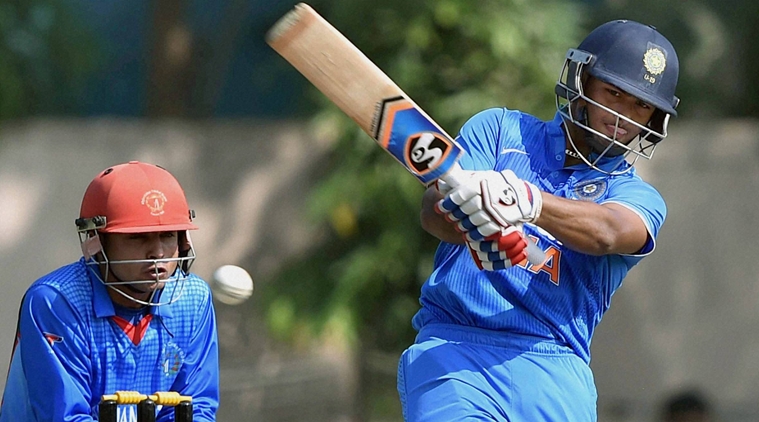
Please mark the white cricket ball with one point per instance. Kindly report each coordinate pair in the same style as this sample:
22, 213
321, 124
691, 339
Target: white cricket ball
232, 285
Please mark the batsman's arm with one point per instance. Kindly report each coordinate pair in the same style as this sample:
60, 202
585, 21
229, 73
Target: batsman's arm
582, 226
591, 228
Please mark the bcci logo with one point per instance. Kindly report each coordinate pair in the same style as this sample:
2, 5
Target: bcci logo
155, 201
590, 190
655, 61
425, 151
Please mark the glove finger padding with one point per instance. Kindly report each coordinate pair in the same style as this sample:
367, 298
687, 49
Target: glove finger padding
461, 194
488, 260
514, 255
472, 205
490, 264
475, 255
496, 265
499, 252
474, 221
482, 231
477, 223
451, 216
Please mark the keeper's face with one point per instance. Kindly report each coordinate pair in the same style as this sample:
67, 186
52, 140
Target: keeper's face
619, 101
144, 247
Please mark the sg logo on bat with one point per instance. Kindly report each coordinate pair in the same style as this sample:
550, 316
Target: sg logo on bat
425, 151
409, 136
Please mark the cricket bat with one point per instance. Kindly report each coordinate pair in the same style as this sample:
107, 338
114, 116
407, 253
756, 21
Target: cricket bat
368, 96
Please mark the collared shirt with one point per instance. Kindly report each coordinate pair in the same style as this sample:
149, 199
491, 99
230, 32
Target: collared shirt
73, 346
563, 299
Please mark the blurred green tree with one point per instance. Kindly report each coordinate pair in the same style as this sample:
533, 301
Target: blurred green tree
45, 52
362, 279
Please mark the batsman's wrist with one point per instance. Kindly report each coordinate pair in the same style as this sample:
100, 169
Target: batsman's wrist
537, 202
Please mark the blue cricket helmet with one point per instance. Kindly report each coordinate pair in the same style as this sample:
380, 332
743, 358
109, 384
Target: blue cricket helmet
635, 58
638, 60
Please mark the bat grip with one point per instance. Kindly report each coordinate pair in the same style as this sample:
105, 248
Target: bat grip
455, 176
535, 255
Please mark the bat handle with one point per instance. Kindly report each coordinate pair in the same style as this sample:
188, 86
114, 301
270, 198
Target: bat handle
535, 255
455, 176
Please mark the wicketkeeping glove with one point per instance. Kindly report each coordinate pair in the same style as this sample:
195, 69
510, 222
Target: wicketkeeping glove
501, 251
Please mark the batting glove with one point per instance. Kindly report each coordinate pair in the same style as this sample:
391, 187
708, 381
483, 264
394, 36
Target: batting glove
501, 251
489, 201
511, 200
469, 217
442, 186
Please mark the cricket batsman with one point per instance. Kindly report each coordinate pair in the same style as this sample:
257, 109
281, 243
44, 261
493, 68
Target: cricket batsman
502, 339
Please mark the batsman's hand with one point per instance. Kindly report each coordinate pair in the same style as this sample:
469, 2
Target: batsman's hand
511, 200
468, 217
500, 251
489, 201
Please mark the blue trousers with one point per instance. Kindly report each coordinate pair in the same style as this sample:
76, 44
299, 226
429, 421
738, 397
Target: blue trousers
455, 373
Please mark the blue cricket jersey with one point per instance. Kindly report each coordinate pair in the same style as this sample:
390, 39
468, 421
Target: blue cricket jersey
564, 299
73, 346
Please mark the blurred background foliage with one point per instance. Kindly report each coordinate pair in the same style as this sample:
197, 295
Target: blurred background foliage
78, 57
359, 283
45, 55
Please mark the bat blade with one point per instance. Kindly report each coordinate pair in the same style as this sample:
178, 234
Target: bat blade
367, 95
364, 92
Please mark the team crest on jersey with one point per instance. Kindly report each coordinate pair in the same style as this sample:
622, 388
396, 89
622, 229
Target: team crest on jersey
155, 201
173, 357
590, 190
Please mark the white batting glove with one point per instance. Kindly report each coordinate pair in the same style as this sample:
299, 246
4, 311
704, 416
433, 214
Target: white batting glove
463, 206
511, 200
442, 187
501, 251
489, 201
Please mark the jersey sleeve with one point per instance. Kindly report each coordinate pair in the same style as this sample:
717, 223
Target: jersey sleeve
54, 356
199, 375
644, 200
478, 139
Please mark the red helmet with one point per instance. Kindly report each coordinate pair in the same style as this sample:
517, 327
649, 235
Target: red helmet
137, 197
